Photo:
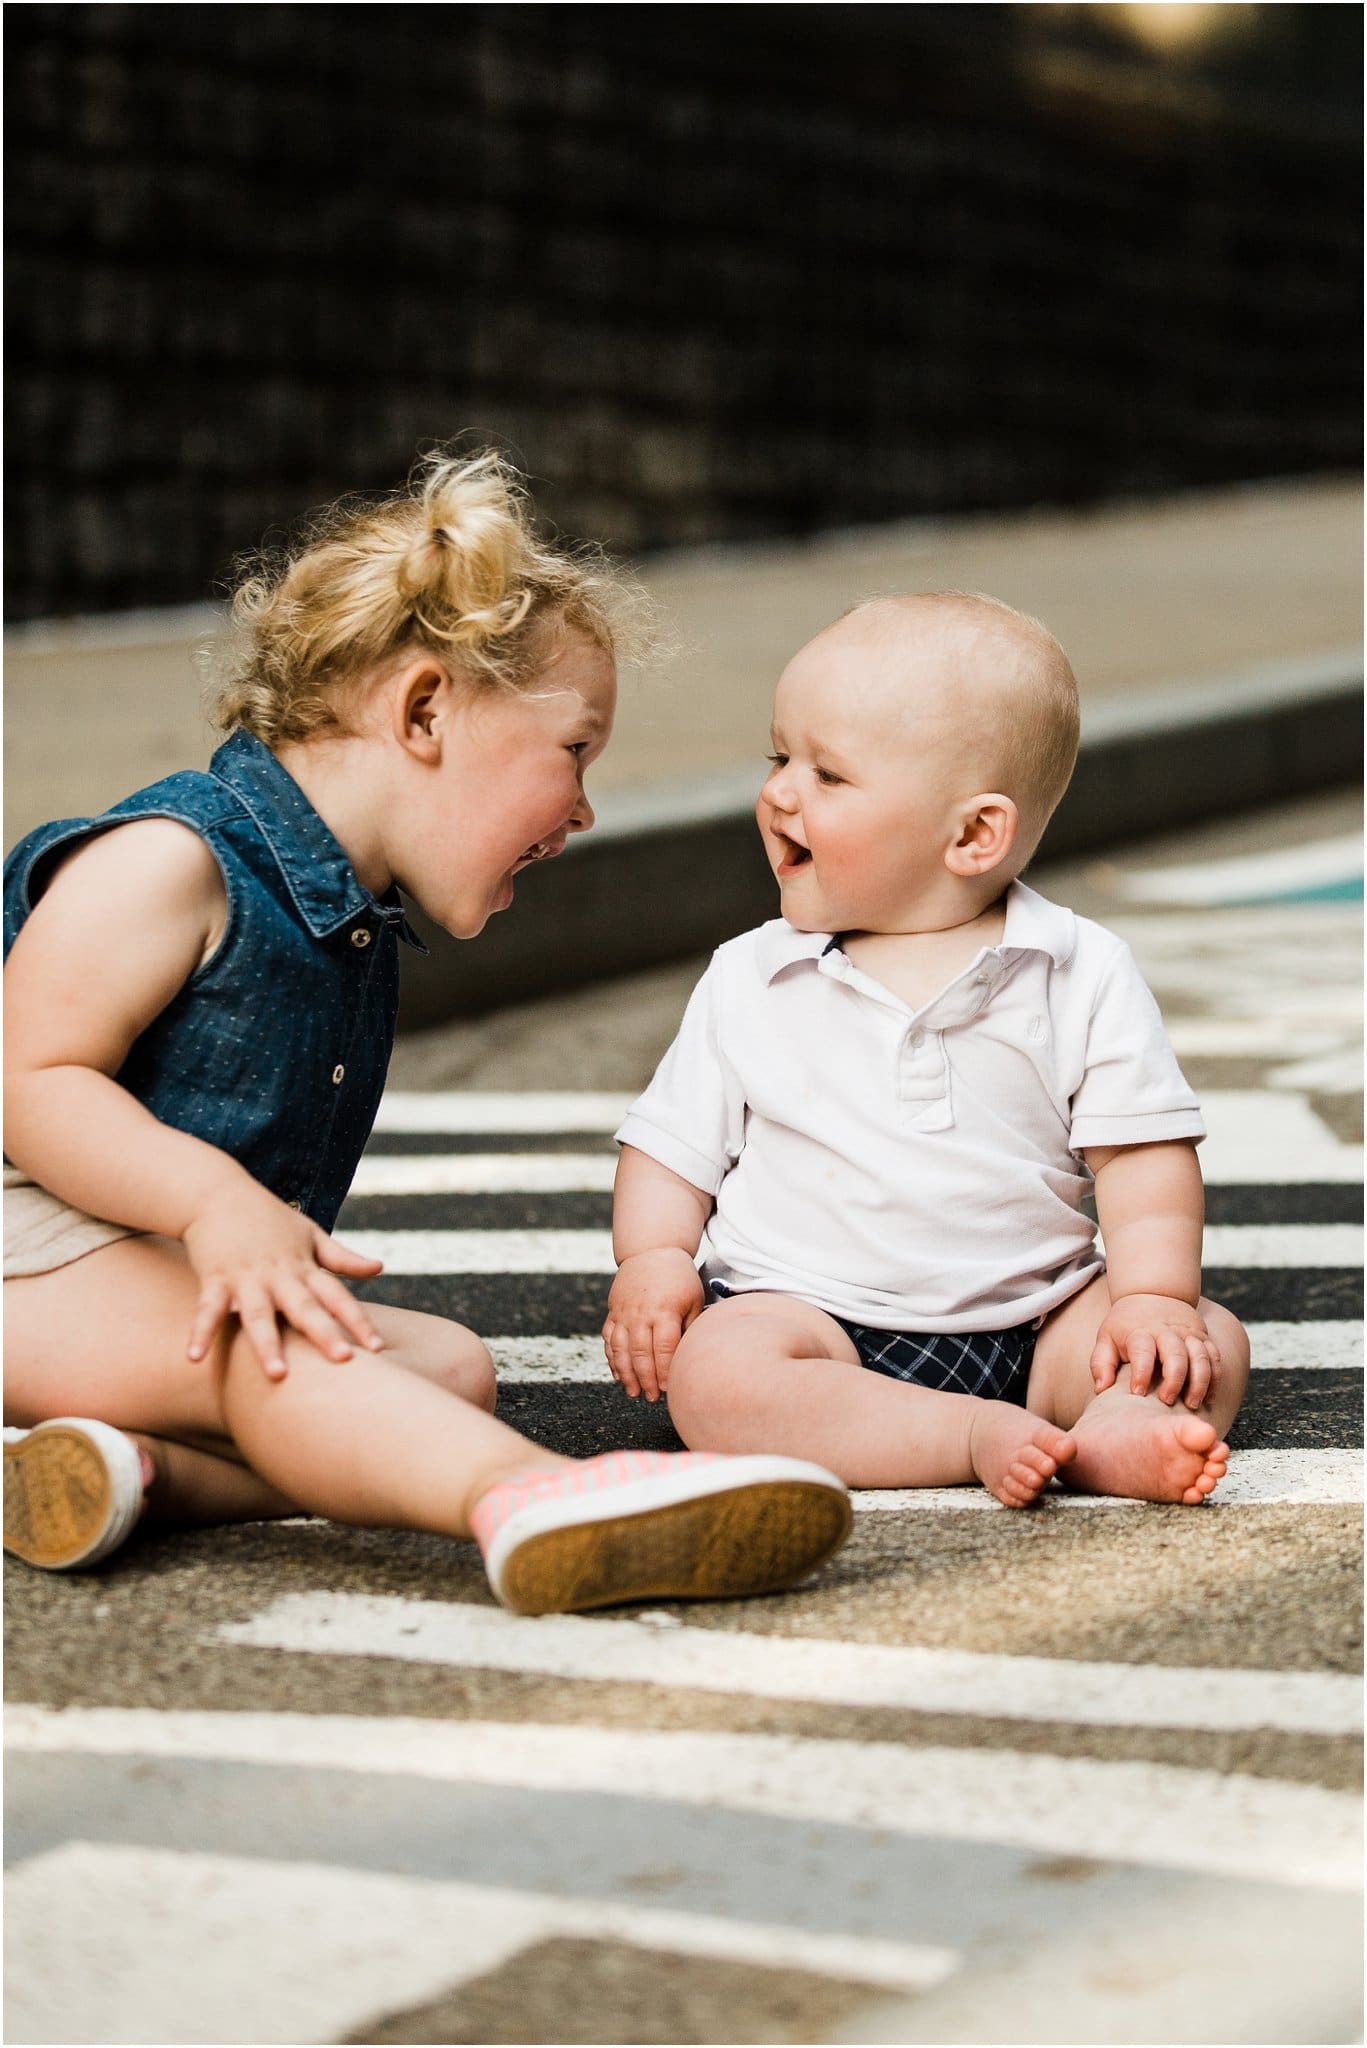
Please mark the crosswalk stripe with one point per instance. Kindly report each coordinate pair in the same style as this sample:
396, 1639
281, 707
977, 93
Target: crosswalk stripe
310, 1977
487, 1251
1254, 1134
1257, 1134
1276, 1347
1249, 878
485, 1173
459, 1111
1244, 1245
1278, 1478
1166, 1815
1306, 1347
1283, 1244
521, 1361
929, 1681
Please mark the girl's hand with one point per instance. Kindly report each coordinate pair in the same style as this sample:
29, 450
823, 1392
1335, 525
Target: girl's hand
654, 1298
262, 1261
1155, 1333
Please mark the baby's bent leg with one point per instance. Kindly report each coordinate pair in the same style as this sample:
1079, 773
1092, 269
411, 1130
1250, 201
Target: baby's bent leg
1136, 1446
763, 1372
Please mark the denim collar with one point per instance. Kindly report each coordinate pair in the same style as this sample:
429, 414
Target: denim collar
318, 875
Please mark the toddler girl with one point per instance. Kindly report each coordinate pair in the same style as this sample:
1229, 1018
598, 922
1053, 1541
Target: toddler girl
201, 990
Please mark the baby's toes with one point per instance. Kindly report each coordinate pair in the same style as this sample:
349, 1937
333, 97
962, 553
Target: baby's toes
1057, 1445
1206, 1480
1031, 1472
1197, 1436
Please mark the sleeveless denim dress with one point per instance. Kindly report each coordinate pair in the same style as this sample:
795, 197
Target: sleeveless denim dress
276, 1048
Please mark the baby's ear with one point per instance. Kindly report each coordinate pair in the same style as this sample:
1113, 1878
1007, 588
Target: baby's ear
988, 829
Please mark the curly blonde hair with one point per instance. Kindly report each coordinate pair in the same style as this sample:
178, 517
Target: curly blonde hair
451, 564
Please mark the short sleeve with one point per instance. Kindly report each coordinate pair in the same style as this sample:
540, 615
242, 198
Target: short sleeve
691, 1117
1132, 1091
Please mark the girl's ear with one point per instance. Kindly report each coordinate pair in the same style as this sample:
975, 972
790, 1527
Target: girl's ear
421, 696
988, 826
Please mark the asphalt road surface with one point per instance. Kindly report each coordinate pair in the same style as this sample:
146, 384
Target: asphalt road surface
1090, 1773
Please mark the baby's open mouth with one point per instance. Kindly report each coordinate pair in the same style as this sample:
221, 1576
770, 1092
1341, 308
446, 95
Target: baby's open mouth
791, 855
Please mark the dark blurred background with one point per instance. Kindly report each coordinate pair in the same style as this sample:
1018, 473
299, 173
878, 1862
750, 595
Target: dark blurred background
710, 273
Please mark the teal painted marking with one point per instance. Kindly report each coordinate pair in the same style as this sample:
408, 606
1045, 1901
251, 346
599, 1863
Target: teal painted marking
1348, 890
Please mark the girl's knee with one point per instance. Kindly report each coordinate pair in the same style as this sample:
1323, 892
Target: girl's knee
450, 1356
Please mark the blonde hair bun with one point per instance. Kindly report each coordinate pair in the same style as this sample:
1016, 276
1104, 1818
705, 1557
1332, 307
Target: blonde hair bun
451, 563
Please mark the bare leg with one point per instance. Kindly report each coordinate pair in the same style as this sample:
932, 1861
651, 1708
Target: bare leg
401, 1438
191, 1488
1130, 1445
763, 1372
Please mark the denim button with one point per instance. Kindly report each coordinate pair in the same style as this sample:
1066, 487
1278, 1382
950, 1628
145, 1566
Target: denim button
360, 937
295, 1205
337, 1074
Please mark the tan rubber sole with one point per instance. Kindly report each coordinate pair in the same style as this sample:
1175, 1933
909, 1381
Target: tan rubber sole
57, 1496
755, 1539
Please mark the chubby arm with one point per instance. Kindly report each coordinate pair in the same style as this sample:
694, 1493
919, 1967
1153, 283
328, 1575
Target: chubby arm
657, 1225
123, 924
1151, 1206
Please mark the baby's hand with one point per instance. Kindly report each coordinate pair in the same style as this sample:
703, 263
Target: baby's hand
654, 1298
1154, 1332
257, 1258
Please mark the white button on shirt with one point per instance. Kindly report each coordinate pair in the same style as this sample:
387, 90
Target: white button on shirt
912, 1170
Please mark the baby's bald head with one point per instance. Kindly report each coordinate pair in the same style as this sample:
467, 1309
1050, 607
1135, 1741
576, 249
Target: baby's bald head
991, 683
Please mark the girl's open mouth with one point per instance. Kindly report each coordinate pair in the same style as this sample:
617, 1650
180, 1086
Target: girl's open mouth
544, 849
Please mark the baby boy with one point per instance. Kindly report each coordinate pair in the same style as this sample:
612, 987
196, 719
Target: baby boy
884, 1109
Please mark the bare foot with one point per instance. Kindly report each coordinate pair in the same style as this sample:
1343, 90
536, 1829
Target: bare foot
1140, 1449
1015, 1453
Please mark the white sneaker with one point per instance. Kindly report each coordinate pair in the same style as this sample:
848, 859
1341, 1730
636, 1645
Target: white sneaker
73, 1492
649, 1525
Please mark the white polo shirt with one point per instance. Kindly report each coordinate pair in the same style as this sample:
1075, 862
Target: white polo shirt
912, 1170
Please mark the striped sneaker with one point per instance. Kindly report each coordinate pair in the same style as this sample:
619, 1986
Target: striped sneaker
650, 1525
73, 1491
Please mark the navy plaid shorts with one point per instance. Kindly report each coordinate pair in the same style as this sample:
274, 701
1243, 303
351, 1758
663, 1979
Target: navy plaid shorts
993, 1364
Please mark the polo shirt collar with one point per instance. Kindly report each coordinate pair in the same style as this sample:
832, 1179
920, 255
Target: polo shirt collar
1033, 925
321, 880
781, 945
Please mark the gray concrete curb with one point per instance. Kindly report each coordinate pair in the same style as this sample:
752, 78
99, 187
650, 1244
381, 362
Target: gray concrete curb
677, 868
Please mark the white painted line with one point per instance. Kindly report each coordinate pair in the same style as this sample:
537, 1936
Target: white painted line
1329, 1073
469, 1113
1254, 1479
1270, 1038
1279, 871
1283, 1244
488, 1251
1253, 1245
111, 1945
1306, 1347
545, 1360
1263, 1138
1163, 1815
840, 1673
485, 1173
1255, 1134
262, 1951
